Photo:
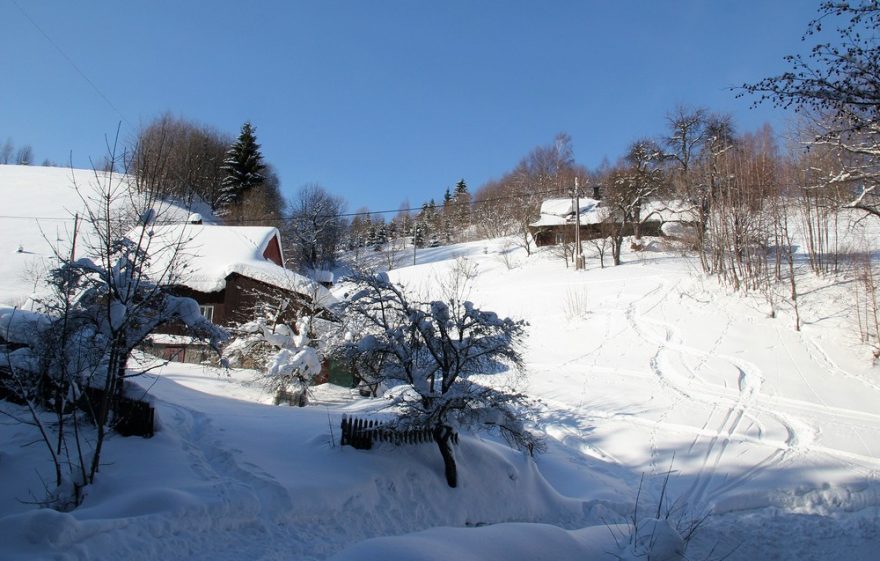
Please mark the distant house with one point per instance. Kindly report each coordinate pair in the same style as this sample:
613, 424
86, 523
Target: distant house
558, 220
228, 270
671, 218
324, 278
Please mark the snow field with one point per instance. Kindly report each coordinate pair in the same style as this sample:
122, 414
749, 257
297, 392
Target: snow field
637, 370
667, 370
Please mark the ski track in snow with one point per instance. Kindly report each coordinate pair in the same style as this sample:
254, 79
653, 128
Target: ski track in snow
738, 411
745, 401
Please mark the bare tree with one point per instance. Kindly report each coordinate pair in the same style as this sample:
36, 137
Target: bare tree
714, 177
261, 206
600, 244
315, 227
687, 140
838, 84
182, 158
867, 304
819, 208
618, 200
508, 206
99, 309
25, 155
492, 214
6, 151
687, 133
403, 221
642, 180
741, 225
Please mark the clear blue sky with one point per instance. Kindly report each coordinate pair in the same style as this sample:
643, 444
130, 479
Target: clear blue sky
381, 101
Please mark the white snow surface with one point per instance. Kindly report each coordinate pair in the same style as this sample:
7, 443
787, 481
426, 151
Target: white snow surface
557, 212
641, 370
37, 217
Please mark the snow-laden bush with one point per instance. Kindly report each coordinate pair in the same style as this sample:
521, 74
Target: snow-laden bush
86, 329
67, 361
435, 352
288, 359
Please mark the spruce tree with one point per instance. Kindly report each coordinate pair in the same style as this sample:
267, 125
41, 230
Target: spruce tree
462, 200
243, 167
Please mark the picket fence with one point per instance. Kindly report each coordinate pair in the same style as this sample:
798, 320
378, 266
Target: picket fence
363, 433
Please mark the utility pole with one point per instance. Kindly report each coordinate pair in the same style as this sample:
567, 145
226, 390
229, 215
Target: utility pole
578, 257
415, 245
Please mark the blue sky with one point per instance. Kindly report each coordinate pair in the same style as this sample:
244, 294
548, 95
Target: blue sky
383, 101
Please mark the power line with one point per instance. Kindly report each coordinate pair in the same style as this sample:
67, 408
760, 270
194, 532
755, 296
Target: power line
453, 204
72, 63
273, 218
57, 218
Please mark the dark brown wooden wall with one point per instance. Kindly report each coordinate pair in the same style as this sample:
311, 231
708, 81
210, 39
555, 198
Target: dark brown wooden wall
546, 235
243, 293
273, 252
235, 303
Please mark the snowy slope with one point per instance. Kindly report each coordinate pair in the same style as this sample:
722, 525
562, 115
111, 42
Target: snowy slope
648, 367
36, 218
777, 432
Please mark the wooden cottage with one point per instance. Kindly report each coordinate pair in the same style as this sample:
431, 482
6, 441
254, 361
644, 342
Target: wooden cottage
558, 220
228, 270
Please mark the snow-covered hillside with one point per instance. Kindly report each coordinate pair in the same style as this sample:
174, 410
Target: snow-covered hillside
649, 367
642, 370
37, 217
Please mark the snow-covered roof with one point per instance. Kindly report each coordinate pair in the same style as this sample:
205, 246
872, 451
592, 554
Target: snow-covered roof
210, 253
558, 212
675, 210
558, 207
322, 276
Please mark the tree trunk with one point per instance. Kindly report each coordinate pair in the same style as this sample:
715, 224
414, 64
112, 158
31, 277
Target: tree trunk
443, 437
616, 244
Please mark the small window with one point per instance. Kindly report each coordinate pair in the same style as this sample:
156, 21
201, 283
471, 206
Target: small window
208, 312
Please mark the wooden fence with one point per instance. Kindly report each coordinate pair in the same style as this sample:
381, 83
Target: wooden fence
363, 433
133, 417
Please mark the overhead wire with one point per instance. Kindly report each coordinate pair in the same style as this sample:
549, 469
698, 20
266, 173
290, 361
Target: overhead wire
275, 218
72, 63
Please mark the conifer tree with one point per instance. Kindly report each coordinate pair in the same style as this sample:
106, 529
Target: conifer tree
462, 200
243, 167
